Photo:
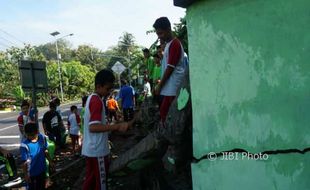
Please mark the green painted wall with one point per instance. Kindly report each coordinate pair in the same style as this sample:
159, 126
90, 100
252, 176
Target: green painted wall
278, 172
249, 71
250, 88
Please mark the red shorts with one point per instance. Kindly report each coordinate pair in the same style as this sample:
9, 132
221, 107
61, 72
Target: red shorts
164, 107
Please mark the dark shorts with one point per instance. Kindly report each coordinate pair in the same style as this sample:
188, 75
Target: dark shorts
37, 182
128, 114
54, 134
74, 136
112, 113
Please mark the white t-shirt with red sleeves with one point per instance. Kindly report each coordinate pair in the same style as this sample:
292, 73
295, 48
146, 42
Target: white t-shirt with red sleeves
173, 57
74, 121
94, 144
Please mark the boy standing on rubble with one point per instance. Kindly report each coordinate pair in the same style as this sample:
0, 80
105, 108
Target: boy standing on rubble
95, 142
173, 66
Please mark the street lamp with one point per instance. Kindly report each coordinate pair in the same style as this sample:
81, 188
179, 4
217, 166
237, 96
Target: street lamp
58, 61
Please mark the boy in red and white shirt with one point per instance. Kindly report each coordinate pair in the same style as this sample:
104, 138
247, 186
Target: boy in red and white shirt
23, 119
95, 140
173, 66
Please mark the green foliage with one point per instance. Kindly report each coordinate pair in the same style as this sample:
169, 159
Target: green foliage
90, 56
126, 43
18, 93
129, 49
49, 50
53, 78
26, 53
9, 77
77, 79
180, 31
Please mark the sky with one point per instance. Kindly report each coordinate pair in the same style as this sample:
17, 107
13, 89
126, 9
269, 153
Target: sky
93, 22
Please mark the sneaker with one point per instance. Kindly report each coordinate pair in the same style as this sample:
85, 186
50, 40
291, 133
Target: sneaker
13, 182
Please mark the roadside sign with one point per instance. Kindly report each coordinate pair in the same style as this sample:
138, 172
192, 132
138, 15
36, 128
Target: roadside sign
33, 78
118, 67
33, 75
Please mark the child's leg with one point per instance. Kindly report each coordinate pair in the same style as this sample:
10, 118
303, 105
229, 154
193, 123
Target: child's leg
91, 169
40, 181
57, 137
114, 115
130, 114
125, 114
37, 182
73, 142
95, 174
77, 143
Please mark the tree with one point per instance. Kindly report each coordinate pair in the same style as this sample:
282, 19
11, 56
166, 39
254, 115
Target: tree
90, 56
77, 79
10, 80
28, 52
132, 52
126, 43
9, 76
49, 50
53, 78
180, 31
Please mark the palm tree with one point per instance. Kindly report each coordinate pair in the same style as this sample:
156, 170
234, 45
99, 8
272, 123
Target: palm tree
126, 42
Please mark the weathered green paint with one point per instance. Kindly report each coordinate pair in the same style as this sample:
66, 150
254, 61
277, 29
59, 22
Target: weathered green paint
249, 73
278, 172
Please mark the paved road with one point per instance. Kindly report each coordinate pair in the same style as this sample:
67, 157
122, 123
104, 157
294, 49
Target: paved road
9, 133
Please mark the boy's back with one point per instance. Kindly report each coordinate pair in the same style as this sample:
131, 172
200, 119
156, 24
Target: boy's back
34, 153
127, 94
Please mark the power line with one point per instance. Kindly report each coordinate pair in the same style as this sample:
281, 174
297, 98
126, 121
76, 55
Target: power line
12, 36
1, 44
14, 44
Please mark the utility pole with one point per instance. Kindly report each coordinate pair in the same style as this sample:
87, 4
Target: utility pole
129, 70
59, 72
58, 61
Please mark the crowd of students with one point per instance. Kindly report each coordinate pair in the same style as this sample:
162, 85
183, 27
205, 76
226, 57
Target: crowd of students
88, 129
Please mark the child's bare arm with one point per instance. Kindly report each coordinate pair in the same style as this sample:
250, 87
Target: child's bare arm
21, 129
123, 126
98, 128
44, 129
51, 162
25, 170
